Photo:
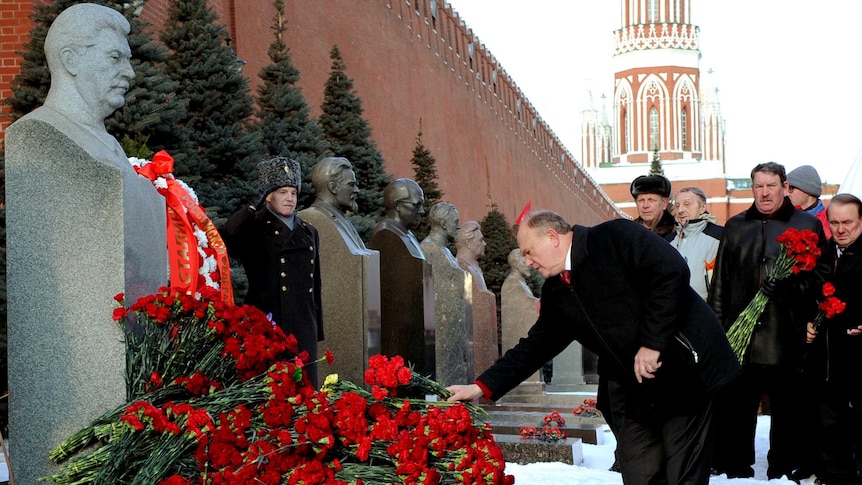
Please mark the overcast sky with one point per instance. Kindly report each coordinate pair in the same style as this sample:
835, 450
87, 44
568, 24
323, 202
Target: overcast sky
788, 71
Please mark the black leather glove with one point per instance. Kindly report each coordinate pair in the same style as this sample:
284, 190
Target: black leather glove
259, 199
769, 287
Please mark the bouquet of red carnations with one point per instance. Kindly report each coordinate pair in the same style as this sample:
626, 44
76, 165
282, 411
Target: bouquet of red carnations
217, 394
829, 307
799, 252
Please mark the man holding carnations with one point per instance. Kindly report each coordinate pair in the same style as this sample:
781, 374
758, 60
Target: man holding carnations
747, 252
836, 344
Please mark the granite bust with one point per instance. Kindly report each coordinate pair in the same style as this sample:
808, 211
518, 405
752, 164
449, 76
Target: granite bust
407, 325
350, 272
444, 221
470, 246
100, 231
405, 205
335, 187
91, 71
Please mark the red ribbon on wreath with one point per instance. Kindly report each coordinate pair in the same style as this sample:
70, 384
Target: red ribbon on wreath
182, 212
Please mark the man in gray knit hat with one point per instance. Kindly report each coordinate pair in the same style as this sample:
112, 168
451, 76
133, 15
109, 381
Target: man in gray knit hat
804, 191
279, 252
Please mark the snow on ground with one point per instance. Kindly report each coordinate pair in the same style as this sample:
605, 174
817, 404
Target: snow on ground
598, 458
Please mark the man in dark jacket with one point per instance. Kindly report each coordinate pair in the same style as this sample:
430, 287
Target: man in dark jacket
624, 294
746, 253
838, 346
279, 252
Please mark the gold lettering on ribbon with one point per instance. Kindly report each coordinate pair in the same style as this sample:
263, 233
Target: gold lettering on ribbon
181, 248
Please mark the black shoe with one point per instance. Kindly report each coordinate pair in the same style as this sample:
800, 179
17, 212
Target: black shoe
801, 474
615, 467
740, 473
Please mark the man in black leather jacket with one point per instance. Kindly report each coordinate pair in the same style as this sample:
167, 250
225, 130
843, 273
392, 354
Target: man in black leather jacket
747, 251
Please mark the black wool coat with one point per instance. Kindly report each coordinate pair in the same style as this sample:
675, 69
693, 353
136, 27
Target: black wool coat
629, 289
835, 356
283, 270
746, 254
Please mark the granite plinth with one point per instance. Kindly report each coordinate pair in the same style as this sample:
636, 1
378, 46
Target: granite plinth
510, 421
453, 316
406, 302
519, 310
350, 288
486, 351
82, 227
523, 451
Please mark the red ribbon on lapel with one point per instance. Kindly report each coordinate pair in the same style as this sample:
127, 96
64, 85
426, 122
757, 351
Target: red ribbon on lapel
182, 211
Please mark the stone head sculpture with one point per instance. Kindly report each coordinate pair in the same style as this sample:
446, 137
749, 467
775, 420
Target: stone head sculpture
470, 243
444, 221
404, 202
334, 182
89, 58
517, 264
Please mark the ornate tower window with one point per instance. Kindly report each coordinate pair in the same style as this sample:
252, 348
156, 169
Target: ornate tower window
653, 128
684, 129
652, 11
625, 125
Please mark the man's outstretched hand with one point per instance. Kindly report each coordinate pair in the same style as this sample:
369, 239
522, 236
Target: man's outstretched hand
469, 392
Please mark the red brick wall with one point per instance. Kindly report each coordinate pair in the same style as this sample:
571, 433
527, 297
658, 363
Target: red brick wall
406, 70
14, 33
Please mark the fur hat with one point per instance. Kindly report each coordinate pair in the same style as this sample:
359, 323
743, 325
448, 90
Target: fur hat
279, 172
806, 179
650, 184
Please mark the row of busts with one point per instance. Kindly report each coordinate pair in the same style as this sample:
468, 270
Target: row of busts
434, 308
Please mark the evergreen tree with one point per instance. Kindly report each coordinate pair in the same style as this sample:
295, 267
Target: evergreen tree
350, 136
284, 123
208, 75
425, 174
655, 167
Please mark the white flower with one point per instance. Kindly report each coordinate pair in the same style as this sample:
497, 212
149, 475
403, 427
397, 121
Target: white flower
201, 236
160, 183
210, 282
138, 162
208, 265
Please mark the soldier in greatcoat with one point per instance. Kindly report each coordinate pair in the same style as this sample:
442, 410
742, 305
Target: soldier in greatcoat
279, 252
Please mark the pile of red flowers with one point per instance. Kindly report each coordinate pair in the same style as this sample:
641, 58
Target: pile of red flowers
550, 431
587, 409
218, 396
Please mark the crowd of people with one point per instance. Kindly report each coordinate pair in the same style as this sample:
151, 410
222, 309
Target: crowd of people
656, 311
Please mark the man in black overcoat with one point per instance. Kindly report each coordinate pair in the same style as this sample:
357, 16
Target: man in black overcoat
623, 292
279, 252
835, 353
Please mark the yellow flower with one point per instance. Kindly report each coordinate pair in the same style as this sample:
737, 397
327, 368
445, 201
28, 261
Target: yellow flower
330, 379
